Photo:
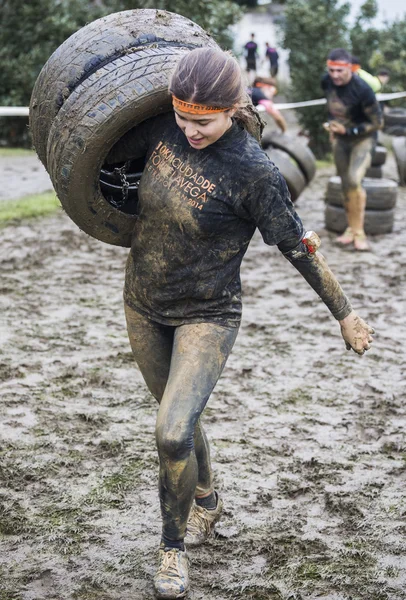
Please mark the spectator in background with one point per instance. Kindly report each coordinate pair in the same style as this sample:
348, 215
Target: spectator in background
251, 54
272, 55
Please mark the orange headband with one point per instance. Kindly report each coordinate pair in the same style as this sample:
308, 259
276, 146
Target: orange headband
196, 109
268, 85
355, 67
338, 63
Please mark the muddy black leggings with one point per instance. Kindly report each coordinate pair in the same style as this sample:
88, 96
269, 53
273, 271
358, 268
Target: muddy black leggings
181, 366
352, 158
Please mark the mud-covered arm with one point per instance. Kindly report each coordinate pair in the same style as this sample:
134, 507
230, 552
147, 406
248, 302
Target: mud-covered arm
271, 208
315, 270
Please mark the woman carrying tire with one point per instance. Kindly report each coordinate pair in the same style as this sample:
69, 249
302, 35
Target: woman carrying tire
206, 186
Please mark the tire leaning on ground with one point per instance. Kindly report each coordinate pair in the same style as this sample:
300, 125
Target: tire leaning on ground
379, 156
92, 120
381, 193
292, 146
399, 150
376, 221
94, 46
290, 171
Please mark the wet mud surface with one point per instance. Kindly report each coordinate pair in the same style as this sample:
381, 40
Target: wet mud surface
21, 176
308, 440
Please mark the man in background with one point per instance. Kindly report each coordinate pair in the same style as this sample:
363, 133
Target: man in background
354, 119
376, 82
272, 55
251, 53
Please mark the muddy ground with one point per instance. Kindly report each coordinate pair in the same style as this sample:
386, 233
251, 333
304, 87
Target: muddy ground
308, 440
21, 176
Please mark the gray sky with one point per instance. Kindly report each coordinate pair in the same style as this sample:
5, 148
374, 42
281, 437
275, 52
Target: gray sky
388, 9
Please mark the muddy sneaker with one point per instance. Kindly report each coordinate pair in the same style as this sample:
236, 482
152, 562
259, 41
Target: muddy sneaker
201, 522
172, 577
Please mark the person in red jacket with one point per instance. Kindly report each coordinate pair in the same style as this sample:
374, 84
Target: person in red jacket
206, 187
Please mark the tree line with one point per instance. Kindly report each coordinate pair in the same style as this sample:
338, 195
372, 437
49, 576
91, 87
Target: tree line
31, 31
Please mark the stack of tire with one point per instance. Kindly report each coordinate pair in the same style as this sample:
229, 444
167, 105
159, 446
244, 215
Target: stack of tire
378, 160
380, 207
98, 85
293, 158
399, 150
395, 121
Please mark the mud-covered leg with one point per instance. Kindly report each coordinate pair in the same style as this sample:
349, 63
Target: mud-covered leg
341, 152
199, 355
356, 197
151, 344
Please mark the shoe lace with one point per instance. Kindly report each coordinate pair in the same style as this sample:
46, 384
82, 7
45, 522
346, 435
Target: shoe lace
169, 563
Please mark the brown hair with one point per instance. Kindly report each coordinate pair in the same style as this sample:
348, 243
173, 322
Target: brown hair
208, 76
212, 77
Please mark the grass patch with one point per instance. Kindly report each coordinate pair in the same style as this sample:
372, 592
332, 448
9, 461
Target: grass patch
326, 162
36, 205
12, 152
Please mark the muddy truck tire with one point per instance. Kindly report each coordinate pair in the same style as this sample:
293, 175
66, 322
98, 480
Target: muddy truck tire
93, 47
301, 154
290, 171
399, 150
104, 107
374, 172
378, 156
376, 221
381, 193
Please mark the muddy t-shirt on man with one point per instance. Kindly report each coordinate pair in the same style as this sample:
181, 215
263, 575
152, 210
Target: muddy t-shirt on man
198, 210
353, 104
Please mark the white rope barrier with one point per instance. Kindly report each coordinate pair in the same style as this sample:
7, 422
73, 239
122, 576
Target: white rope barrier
14, 111
23, 111
319, 101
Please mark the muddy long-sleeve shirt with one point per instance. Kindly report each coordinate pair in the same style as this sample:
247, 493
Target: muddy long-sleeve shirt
354, 105
198, 210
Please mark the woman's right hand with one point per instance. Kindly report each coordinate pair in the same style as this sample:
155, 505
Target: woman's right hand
356, 333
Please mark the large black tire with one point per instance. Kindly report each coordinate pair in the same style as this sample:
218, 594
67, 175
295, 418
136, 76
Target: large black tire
94, 46
379, 156
290, 171
399, 150
381, 193
295, 148
96, 115
395, 116
374, 172
395, 130
376, 221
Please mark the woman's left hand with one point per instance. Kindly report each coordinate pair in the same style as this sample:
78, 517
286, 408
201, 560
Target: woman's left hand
356, 333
